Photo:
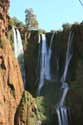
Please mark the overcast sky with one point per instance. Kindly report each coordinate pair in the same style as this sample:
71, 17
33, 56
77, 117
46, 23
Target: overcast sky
51, 14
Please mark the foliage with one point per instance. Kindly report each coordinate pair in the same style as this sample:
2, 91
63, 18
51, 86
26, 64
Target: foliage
30, 19
14, 21
41, 108
66, 26
25, 97
41, 31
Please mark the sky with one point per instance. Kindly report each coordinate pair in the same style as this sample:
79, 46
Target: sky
51, 14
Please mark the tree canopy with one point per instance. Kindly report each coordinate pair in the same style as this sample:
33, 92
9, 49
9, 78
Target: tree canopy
66, 26
14, 21
31, 19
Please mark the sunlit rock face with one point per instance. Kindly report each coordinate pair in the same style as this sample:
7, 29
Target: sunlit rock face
4, 5
11, 84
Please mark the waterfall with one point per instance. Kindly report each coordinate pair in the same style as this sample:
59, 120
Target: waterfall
48, 58
57, 65
18, 50
15, 42
52, 40
42, 64
19, 44
45, 63
59, 115
61, 109
65, 88
68, 57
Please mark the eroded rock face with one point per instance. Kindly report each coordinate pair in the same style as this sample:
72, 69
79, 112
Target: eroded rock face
31, 60
26, 113
11, 85
4, 5
75, 97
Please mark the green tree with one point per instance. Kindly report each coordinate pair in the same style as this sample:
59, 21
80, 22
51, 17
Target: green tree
31, 19
66, 26
14, 21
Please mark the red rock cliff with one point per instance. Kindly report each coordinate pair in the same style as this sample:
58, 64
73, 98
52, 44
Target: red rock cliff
4, 5
11, 85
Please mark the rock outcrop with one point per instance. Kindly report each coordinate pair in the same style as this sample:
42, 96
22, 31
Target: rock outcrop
11, 85
26, 113
4, 5
31, 60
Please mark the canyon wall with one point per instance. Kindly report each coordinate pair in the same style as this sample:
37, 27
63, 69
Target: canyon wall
4, 5
18, 107
11, 84
59, 46
31, 60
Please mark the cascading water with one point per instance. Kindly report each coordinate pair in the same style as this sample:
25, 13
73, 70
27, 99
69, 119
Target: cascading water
42, 65
18, 50
57, 56
48, 58
15, 42
19, 43
45, 61
61, 109
68, 57
45, 64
